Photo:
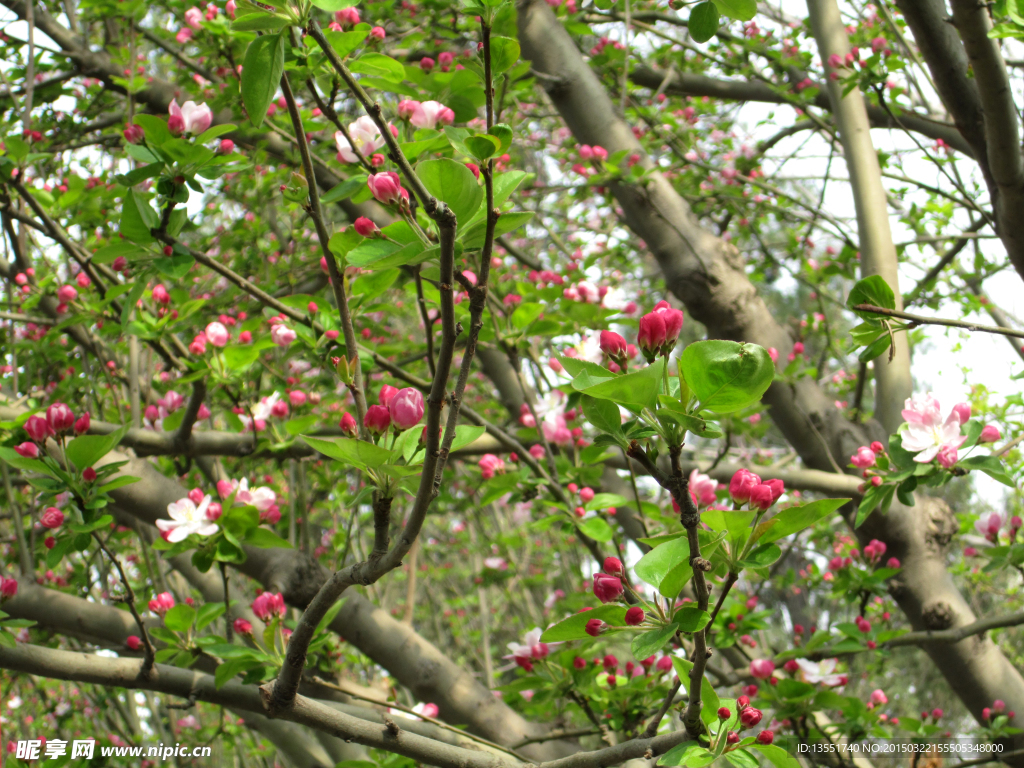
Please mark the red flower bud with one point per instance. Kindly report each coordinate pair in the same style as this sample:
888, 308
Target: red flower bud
634, 616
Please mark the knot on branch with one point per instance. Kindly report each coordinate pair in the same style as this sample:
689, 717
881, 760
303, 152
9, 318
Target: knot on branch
391, 726
700, 564
938, 615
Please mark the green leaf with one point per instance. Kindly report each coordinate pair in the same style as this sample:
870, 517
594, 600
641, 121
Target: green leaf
358, 453
208, 614
504, 54
703, 22
10, 456
761, 557
877, 348
109, 253
85, 450
726, 376
651, 642
743, 10
180, 618
118, 482
334, 5
796, 519
574, 627
175, 266
378, 65
473, 235
779, 757
691, 618
597, 529
136, 220
230, 669
240, 358
603, 414
258, 21
634, 391
265, 539
453, 183
872, 290
261, 75
689, 754
482, 145
344, 190
503, 133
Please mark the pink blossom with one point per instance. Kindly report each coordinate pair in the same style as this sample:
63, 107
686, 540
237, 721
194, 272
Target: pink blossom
406, 408
864, 458
702, 489
387, 187
194, 17
217, 334
878, 697
67, 293
268, 606
189, 118
989, 525
990, 434
282, 335
429, 114
489, 465
926, 431
762, 669
365, 136
162, 603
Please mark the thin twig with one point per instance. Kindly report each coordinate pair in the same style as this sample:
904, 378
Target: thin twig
916, 320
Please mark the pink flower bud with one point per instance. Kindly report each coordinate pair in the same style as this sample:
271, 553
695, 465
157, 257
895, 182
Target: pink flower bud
377, 33
878, 697
761, 497
962, 411
8, 588
765, 737
406, 408
863, 458
365, 227
387, 188
613, 566
82, 425
52, 518
268, 606
762, 668
89, 474
377, 419
741, 485
990, 434
634, 616
607, 588
133, 134
595, 627
750, 717
60, 418
242, 627
133, 642
612, 344
217, 334
27, 450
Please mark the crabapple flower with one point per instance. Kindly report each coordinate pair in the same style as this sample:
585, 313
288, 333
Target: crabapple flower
406, 408
268, 606
186, 519
365, 227
377, 419
162, 603
821, 672
52, 518
27, 450
634, 616
489, 465
963, 412
531, 648
38, 429
990, 434
365, 136
282, 335
742, 484
189, 118
762, 669
594, 627
613, 566
607, 588
387, 187
242, 627
262, 498
702, 489
60, 418
659, 330
429, 114
217, 334
863, 458
989, 525
878, 697
927, 433
194, 17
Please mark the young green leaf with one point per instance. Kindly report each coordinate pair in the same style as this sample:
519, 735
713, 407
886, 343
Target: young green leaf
726, 376
261, 75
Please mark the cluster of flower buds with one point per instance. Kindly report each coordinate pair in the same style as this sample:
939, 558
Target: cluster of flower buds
659, 331
8, 588
747, 488
59, 421
267, 606
998, 707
